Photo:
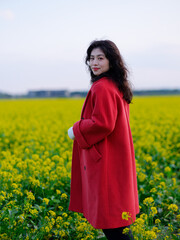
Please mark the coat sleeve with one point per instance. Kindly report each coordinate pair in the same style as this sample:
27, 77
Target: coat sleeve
102, 122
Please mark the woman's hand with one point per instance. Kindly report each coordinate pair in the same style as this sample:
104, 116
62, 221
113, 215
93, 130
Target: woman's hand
71, 133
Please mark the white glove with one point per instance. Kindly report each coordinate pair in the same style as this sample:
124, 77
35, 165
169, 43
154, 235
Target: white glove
71, 133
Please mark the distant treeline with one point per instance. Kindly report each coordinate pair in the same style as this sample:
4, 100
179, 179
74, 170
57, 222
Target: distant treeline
69, 94
157, 92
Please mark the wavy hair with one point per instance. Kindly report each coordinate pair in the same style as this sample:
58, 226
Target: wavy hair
117, 71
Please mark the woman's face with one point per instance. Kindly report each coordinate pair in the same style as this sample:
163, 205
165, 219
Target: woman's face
98, 62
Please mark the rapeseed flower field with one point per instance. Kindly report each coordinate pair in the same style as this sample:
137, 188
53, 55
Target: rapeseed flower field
35, 169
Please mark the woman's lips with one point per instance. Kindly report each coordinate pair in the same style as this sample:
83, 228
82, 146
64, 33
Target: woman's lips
95, 69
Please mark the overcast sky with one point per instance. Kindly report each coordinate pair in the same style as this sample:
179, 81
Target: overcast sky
43, 43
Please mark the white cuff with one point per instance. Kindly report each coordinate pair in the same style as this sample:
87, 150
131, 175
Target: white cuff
71, 133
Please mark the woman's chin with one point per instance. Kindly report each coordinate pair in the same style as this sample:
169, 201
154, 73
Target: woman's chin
96, 73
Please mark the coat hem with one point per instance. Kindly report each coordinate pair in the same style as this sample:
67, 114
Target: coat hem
121, 223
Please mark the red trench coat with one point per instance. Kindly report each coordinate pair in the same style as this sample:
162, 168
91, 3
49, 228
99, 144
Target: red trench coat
103, 176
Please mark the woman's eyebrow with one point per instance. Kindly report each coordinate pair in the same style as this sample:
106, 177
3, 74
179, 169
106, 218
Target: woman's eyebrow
97, 55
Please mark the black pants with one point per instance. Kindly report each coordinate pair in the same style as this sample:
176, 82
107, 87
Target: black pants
116, 234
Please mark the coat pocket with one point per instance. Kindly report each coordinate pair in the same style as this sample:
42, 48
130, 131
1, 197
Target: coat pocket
94, 154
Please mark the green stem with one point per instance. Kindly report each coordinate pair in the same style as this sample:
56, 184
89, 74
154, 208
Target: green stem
167, 215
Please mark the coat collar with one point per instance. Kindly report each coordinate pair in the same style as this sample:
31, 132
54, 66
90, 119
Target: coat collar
102, 75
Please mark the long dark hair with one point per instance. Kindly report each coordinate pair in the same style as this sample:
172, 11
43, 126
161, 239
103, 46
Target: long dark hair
118, 71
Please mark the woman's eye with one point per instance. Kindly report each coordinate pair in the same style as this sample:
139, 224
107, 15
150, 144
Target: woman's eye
100, 58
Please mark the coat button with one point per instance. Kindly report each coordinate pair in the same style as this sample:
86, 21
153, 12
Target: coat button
82, 118
84, 167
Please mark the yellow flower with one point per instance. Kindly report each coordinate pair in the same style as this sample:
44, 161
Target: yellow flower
52, 213
155, 229
174, 181
64, 215
34, 212
59, 220
148, 201
66, 224
162, 185
21, 218
173, 207
14, 185
170, 227
139, 221
46, 201
126, 215
53, 221
154, 164
153, 190
126, 230
151, 182
30, 196
144, 216
153, 211
157, 221
89, 237
141, 177
47, 218
167, 169
142, 190
64, 196
80, 228
60, 208
2, 198
150, 235
58, 191
148, 159
18, 192
62, 233
47, 229
35, 182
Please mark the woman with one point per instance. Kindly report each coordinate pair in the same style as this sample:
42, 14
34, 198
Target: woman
103, 182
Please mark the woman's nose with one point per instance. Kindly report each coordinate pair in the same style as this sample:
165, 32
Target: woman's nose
95, 62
